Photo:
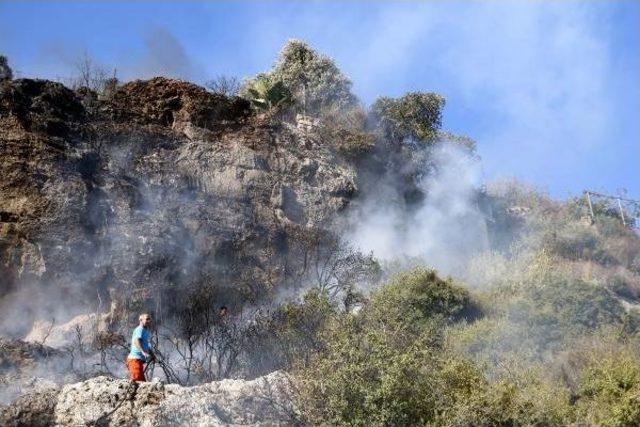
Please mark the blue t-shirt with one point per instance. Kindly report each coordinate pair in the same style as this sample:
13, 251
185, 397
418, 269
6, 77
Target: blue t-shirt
145, 336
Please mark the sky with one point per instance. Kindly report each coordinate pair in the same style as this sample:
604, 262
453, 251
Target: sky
549, 90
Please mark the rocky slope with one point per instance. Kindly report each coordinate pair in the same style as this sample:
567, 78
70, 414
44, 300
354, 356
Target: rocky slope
107, 203
106, 401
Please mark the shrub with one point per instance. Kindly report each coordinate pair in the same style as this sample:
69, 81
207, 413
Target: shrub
365, 378
345, 130
416, 115
411, 299
265, 93
384, 365
224, 85
289, 335
555, 311
577, 241
610, 392
93, 77
525, 400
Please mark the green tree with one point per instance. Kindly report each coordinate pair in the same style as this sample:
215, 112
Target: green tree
384, 366
313, 80
416, 115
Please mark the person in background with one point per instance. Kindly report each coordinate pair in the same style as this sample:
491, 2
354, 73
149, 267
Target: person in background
224, 312
141, 352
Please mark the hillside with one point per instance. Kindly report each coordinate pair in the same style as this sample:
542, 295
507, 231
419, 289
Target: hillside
365, 270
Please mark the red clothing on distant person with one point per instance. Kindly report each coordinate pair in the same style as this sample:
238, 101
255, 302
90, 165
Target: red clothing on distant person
136, 369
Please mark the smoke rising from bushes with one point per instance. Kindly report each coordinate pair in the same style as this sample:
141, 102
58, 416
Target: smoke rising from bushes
446, 228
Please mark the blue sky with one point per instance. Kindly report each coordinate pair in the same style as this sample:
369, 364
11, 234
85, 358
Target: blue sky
550, 90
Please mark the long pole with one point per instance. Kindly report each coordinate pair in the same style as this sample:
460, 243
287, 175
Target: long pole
593, 218
621, 213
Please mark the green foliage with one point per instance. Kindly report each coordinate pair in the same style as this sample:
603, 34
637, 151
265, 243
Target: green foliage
525, 400
577, 241
314, 79
534, 319
413, 298
416, 115
552, 311
298, 324
384, 365
461, 141
609, 392
345, 130
289, 335
368, 377
265, 93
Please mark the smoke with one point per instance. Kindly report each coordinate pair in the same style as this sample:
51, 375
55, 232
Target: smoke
166, 56
446, 228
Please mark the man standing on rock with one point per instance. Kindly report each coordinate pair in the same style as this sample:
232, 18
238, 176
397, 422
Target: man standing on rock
140, 349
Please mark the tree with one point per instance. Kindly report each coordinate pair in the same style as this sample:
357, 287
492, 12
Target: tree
93, 76
224, 85
384, 365
462, 141
313, 80
6, 73
416, 115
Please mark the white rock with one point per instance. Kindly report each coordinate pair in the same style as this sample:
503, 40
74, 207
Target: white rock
260, 402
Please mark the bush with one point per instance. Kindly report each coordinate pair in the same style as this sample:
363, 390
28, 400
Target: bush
365, 378
416, 116
288, 336
345, 130
527, 324
411, 299
610, 392
577, 241
224, 85
266, 92
384, 365
559, 310
525, 400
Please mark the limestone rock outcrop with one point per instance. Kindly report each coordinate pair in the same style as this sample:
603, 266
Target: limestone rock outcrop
104, 401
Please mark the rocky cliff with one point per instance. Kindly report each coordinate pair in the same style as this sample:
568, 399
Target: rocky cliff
107, 401
113, 202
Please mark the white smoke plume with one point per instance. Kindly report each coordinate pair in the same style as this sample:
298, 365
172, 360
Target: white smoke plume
447, 227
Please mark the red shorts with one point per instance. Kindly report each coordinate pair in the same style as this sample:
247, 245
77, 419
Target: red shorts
136, 369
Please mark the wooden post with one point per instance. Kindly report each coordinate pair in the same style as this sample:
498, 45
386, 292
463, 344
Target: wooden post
621, 213
593, 218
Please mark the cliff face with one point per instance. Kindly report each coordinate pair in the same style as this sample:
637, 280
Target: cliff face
162, 184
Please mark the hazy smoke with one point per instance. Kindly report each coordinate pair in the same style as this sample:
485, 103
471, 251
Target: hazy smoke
166, 56
446, 228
